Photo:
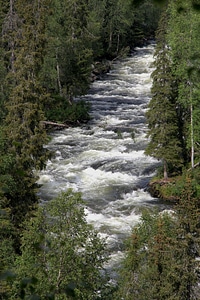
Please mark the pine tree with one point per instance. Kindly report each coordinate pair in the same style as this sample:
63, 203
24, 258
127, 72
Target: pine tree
118, 19
162, 116
25, 135
149, 258
9, 23
184, 42
67, 64
186, 249
162, 258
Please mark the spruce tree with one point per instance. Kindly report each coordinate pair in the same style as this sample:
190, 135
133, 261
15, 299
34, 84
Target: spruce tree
7, 230
162, 116
117, 21
67, 63
184, 42
9, 24
162, 258
25, 135
186, 249
148, 260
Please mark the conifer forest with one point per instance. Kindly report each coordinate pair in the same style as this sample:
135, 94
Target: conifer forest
50, 52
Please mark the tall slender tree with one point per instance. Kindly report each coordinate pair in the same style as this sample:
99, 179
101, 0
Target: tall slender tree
118, 19
67, 63
183, 39
25, 135
9, 24
186, 248
162, 116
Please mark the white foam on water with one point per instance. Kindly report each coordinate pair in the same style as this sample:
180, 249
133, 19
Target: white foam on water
45, 178
137, 197
119, 216
115, 153
94, 179
111, 224
93, 159
113, 120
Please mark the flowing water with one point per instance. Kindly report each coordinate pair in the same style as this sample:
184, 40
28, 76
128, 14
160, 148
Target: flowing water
105, 159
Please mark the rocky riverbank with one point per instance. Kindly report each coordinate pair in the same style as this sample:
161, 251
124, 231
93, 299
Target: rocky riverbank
99, 68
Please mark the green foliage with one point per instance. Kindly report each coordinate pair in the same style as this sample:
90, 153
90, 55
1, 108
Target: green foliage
22, 135
58, 46
26, 96
46, 52
119, 134
161, 261
127, 25
184, 42
162, 117
186, 249
71, 113
62, 251
67, 63
145, 270
132, 134
7, 253
195, 4
173, 115
117, 19
145, 22
138, 3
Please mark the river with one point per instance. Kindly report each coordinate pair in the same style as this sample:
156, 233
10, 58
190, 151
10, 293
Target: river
105, 159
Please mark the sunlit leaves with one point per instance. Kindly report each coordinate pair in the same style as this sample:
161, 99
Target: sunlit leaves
61, 251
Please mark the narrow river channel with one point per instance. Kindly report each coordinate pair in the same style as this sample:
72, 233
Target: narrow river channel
105, 159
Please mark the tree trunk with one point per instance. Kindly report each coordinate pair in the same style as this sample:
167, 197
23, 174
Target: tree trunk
165, 170
58, 74
118, 42
45, 123
110, 40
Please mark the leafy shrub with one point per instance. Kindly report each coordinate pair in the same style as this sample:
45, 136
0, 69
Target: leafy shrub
61, 110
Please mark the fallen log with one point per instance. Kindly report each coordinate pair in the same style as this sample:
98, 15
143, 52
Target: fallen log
196, 165
54, 124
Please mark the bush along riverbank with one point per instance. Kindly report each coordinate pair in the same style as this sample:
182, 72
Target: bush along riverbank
171, 189
164, 189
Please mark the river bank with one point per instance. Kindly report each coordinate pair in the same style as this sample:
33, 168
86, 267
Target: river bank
163, 189
174, 188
